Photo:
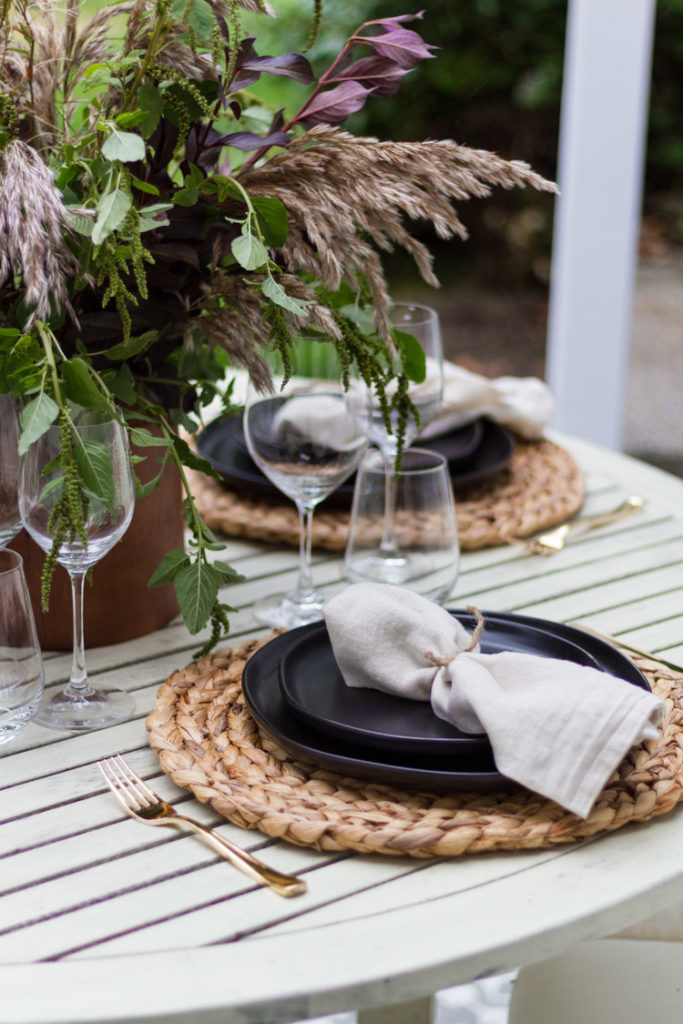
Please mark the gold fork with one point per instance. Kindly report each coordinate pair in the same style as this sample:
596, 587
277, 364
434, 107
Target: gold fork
147, 807
553, 541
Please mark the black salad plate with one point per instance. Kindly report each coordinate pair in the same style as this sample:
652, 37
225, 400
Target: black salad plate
474, 771
472, 452
313, 688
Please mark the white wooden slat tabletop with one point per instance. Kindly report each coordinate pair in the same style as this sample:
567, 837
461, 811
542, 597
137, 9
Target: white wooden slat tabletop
102, 919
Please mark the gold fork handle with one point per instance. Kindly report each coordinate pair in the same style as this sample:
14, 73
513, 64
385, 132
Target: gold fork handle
284, 885
585, 523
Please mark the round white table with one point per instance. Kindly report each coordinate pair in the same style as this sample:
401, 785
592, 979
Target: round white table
104, 920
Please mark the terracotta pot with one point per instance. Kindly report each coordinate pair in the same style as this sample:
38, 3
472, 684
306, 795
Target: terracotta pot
118, 604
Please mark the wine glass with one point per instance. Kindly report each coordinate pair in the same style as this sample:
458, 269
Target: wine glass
22, 678
305, 439
10, 520
422, 322
107, 503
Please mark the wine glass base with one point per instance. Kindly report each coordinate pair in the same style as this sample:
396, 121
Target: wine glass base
281, 612
84, 712
432, 578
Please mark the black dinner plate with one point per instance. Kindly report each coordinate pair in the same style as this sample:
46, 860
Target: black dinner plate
476, 772
314, 689
472, 452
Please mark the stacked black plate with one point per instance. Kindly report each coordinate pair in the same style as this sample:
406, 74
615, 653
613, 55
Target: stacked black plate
296, 693
472, 452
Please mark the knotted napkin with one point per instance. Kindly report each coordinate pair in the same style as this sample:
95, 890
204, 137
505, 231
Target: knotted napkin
525, 404
556, 727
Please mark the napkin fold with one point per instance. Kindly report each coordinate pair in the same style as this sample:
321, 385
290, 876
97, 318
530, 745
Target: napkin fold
556, 727
525, 404
322, 419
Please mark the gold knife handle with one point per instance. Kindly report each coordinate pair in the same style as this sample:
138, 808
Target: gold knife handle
284, 885
585, 523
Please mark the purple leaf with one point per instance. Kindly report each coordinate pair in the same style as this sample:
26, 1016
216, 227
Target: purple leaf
247, 141
405, 47
400, 17
291, 65
243, 79
333, 106
380, 74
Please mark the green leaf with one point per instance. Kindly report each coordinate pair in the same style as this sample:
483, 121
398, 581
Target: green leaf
196, 587
37, 417
412, 356
249, 251
121, 385
143, 438
111, 213
131, 119
81, 388
190, 458
127, 147
131, 347
272, 217
276, 293
150, 218
173, 562
228, 574
79, 222
196, 15
152, 104
144, 186
142, 490
362, 316
186, 196
94, 464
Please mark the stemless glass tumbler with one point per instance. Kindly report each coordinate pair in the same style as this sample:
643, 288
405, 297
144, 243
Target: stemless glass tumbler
21, 665
426, 553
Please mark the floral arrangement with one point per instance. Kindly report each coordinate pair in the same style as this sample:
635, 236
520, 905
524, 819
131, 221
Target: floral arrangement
159, 226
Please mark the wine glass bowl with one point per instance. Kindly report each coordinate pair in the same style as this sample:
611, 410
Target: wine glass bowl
422, 323
22, 677
306, 440
106, 505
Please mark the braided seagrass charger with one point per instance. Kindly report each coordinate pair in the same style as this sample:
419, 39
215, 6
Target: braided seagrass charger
208, 742
539, 488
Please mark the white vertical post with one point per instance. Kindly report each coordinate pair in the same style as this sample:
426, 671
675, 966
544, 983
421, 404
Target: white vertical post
604, 105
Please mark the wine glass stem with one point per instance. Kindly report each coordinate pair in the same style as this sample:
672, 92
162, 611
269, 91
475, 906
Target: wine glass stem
388, 544
78, 684
304, 587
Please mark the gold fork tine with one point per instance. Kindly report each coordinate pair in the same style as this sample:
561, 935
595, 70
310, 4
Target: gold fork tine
134, 785
140, 802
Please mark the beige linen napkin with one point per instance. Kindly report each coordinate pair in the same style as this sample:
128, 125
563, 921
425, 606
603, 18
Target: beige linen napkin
556, 727
320, 418
524, 404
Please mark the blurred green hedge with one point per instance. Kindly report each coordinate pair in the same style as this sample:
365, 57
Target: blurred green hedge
496, 84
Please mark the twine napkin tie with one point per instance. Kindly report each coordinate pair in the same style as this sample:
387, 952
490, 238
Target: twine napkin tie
556, 727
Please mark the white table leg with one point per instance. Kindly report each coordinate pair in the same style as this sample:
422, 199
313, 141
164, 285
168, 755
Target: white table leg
415, 1011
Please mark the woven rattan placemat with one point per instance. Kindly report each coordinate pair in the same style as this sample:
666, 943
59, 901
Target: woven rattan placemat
208, 742
541, 486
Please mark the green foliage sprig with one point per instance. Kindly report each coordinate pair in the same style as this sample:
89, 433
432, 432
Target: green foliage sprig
161, 226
